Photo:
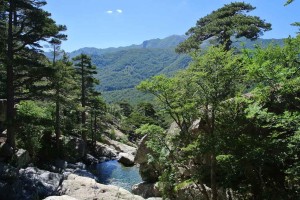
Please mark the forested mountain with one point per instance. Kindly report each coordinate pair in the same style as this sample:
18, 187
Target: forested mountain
121, 69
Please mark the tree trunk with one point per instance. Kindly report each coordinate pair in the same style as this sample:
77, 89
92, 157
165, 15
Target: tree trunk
95, 129
57, 123
57, 103
10, 112
213, 177
213, 160
83, 102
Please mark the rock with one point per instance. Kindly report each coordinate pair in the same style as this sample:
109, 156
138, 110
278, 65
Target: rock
146, 190
142, 151
8, 173
191, 192
21, 158
126, 159
88, 189
42, 182
84, 173
118, 146
78, 165
60, 165
148, 172
194, 128
155, 198
173, 129
103, 150
90, 160
103, 159
76, 148
63, 197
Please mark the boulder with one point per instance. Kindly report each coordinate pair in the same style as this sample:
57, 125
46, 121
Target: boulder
126, 159
142, 151
90, 160
148, 172
146, 190
78, 165
8, 173
120, 147
63, 197
21, 158
41, 182
84, 188
103, 150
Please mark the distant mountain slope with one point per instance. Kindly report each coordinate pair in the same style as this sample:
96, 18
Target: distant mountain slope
126, 69
121, 69
168, 42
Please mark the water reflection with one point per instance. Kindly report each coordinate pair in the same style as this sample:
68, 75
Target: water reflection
114, 173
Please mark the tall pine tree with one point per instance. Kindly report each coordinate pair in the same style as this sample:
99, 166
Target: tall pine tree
27, 25
86, 71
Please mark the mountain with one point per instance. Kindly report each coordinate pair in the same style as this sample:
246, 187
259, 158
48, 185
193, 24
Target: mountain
168, 42
121, 69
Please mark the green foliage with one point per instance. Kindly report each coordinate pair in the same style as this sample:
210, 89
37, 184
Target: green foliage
222, 24
130, 95
252, 137
33, 120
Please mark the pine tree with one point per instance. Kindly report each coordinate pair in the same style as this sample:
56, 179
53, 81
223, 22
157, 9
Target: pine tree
27, 25
86, 71
222, 24
64, 89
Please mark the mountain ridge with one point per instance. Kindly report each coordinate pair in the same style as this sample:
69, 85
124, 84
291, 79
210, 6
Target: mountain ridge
120, 69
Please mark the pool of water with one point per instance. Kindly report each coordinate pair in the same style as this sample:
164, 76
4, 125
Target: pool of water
114, 173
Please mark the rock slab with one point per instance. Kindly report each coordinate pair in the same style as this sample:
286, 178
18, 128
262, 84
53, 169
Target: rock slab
84, 188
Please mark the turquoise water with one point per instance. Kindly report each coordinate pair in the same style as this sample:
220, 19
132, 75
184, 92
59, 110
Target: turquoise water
114, 173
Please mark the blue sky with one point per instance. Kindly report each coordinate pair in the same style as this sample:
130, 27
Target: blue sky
114, 23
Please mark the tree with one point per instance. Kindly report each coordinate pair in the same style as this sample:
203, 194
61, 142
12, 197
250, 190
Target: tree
64, 86
27, 25
86, 71
97, 110
2, 49
198, 93
223, 24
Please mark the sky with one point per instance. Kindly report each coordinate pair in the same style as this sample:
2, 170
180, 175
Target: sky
114, 23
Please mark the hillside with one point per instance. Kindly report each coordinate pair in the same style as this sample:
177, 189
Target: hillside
121, 69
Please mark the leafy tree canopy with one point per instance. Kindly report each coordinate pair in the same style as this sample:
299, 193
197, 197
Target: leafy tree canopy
222, 24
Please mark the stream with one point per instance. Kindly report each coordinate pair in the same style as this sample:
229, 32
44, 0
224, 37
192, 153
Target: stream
114, 173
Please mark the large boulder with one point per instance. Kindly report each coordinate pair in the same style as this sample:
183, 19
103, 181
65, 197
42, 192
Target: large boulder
44, 183
120, 147
126, 159
21, 158
27, 184
146, 190
148, 172
84, 188
90, 160
103, 150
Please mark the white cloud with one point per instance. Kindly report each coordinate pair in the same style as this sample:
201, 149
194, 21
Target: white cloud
119, 10
109, 12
